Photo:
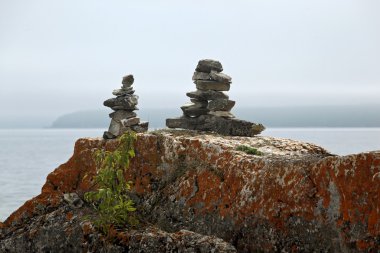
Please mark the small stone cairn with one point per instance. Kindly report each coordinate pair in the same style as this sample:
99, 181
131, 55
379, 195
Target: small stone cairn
210, 107
124, 118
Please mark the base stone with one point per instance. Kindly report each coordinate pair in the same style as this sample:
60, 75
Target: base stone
220, 125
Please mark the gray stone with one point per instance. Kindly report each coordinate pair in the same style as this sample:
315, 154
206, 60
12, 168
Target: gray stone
73, 200
193, 110
130, 122
115, 128
122, 103
207, 65
220, 125
127, 81
207, 94
201, 76
107, 135
212, 85
220, 77
123, 91
122, 114
222, 114
221, 105
141, 127
199, 103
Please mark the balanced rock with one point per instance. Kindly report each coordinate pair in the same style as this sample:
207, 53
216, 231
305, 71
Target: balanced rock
193, 110
122, 103
127, 81
124, 118
220, 105
207, 65
122, 114
220, 77
201, 76
123, 91
212, 85
130, 122
206, 94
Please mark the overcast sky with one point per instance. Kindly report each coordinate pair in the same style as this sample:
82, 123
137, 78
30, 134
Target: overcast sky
62, 56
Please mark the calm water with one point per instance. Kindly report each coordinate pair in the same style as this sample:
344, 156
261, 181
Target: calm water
28, 156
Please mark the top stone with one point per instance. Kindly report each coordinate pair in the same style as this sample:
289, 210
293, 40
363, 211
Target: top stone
128, 81
207, 65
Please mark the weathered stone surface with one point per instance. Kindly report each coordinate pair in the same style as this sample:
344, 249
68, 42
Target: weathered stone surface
199, 103
123, 92
222, 114
207, 94
73, 200
122, 114
296, 197
201, 76
212, 85
127, 81
130, 122
221, 105
141, 127
193, 110
220, 125
115, 128
220, 77
122, 103
207, 65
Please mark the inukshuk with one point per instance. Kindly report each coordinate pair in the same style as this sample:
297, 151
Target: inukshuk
210, 107
124, 118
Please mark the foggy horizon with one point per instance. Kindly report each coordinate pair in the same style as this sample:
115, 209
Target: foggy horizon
62, 57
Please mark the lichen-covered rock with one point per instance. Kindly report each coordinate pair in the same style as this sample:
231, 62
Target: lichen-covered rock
201, 194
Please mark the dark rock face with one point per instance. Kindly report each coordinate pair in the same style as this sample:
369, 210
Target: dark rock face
207, 95
196, 193
122, 103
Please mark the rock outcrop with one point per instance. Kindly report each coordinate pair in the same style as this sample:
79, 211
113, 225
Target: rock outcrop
210, 107
195, 192
124, 118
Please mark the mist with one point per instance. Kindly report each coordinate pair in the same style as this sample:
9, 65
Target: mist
58, 57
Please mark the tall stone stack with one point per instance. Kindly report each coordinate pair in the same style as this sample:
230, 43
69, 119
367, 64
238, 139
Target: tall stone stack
124, 104
210, 107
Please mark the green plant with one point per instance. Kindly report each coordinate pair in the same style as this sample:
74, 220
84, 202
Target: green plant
249, 150
111, 200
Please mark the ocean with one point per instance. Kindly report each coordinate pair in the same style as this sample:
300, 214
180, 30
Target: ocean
27, 156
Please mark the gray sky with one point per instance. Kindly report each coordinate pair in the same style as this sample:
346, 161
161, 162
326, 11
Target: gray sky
63, 56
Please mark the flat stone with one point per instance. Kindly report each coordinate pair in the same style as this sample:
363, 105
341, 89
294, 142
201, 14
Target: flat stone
199, 103
122, 114
223, 114
201, 76
220, 125
123, 91
141, 127
193, 110
221, 105
206, 94
207, 65
130, 122
128, 81
212, 85
122, 103
220, 77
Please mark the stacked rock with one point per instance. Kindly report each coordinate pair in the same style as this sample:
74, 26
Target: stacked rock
124, 118
210, 107
209, 97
